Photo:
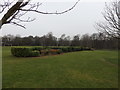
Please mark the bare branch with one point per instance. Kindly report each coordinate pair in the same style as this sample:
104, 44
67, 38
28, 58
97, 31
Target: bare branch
28, 20
18, 25
51, 12
15, 11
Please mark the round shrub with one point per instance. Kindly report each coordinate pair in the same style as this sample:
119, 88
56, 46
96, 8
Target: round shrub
20, 52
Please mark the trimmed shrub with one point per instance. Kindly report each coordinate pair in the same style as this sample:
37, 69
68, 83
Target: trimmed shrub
69, 49
24, 52
37, 48
20, 52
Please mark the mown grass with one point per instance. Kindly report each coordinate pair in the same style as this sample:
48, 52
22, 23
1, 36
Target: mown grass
84, 69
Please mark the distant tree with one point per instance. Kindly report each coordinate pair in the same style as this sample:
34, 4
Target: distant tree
67, 41
27, 41
7, 40
85, 40
96, 40
14, 10
37, 41
111, 25
50, 40
76, 40
43, 40
61, 40
17, 41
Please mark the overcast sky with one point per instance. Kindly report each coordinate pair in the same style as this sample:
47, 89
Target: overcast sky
80, 20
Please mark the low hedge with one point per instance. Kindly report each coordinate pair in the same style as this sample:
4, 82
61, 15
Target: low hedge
63, 49
72, 49
24, 52
37, 48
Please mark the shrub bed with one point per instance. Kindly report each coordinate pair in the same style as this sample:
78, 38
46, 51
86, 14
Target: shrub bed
43, 51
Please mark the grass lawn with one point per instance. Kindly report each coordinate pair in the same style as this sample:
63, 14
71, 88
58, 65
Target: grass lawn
84, 69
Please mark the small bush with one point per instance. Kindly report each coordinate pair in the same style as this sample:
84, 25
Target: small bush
34, 53
65, 50
70, 49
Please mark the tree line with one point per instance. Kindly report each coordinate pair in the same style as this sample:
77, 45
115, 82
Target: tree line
96, 41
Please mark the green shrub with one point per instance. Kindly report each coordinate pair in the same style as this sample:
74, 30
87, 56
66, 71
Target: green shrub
37, 48
65, 49
23, 52
34, 53
70, 49
20, 52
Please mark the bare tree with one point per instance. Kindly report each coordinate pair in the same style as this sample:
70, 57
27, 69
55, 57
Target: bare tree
111, 25
13, 11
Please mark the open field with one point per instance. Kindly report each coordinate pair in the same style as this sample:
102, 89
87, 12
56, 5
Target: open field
83, 69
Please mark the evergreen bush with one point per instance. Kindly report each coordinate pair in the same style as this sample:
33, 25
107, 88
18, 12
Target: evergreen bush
24, 52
